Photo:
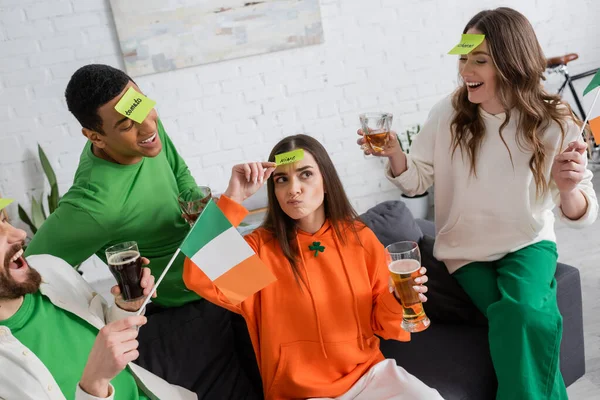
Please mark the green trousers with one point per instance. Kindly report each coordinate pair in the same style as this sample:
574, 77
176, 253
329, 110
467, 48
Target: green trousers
517, 294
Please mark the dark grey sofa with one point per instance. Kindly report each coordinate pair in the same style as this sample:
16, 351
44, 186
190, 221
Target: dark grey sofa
452, 355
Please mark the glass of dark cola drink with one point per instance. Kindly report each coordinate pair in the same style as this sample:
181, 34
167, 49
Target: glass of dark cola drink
125, 263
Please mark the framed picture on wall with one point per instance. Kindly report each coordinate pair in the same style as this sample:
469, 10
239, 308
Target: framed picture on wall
158, 36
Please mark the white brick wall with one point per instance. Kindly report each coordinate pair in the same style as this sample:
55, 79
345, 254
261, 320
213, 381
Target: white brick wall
377, 55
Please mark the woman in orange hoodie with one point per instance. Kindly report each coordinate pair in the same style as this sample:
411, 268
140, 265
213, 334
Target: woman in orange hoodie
313, 330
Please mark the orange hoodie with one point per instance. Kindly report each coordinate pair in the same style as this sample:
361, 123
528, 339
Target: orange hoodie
318, 339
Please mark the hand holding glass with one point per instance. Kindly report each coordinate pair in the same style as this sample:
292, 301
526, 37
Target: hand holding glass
376, 129
125, 263
404, 264
193, 200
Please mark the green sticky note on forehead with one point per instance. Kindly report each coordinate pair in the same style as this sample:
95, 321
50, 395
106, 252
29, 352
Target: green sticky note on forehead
289, 157
5, 202
468, 42
135, 105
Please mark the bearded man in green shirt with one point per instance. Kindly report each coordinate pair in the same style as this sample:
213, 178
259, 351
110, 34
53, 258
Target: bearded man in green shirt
125, 189
60, 340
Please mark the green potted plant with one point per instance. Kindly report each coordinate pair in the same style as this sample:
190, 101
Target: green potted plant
38, 213
419, 204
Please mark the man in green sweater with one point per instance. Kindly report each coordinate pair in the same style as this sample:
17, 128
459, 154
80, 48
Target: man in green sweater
126, 188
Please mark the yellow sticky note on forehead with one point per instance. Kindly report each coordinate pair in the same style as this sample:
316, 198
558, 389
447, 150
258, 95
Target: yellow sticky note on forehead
289, 157
135, 105
468, 42
5, 202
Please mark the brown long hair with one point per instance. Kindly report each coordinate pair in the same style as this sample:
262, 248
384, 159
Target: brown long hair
338, 209
520, 65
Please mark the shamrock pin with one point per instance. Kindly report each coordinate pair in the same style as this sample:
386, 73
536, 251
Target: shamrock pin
316, 247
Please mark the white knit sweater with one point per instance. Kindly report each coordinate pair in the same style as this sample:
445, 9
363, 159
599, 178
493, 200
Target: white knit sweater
498, 212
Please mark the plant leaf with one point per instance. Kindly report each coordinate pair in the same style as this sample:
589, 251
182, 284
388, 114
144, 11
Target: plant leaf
37, 213
25, 218
53, 199
400, 143
42, 207
47, 167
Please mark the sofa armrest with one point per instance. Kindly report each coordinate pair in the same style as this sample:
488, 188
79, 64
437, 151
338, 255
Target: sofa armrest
572, 353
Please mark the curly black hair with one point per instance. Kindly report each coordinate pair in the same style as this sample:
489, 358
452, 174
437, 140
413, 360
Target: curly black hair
90, 87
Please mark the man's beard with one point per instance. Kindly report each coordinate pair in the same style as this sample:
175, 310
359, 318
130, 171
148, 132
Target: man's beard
9, 287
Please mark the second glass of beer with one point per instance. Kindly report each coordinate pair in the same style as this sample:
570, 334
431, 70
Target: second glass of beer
404, 264
125, 263
376, 128
193, 200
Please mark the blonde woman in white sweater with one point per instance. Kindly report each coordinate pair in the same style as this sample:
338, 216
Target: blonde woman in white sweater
503, 154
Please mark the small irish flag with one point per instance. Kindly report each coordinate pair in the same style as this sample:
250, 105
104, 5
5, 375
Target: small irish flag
595, 127
594, 83
217, 248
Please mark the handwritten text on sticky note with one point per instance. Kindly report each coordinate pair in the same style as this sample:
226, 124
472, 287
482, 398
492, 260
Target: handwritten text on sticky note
135, 105
289, 157
468, 42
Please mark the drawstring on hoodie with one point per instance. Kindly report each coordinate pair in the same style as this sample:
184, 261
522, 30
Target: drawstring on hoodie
354, 298
312, 299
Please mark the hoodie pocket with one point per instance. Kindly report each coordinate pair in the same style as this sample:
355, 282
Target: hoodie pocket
303, 368
483, 236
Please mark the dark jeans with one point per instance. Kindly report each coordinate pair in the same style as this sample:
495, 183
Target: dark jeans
203, 348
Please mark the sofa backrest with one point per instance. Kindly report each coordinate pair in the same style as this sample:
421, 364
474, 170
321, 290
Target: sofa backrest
392, 222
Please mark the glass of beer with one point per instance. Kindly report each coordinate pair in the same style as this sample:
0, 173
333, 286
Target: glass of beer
404, 263
376, 128
125, 263
193, 200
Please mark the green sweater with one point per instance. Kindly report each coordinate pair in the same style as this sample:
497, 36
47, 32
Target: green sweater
63, 342
111, 203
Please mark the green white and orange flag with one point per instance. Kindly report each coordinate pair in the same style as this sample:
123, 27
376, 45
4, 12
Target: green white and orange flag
217, 248
595, 128
594, 83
